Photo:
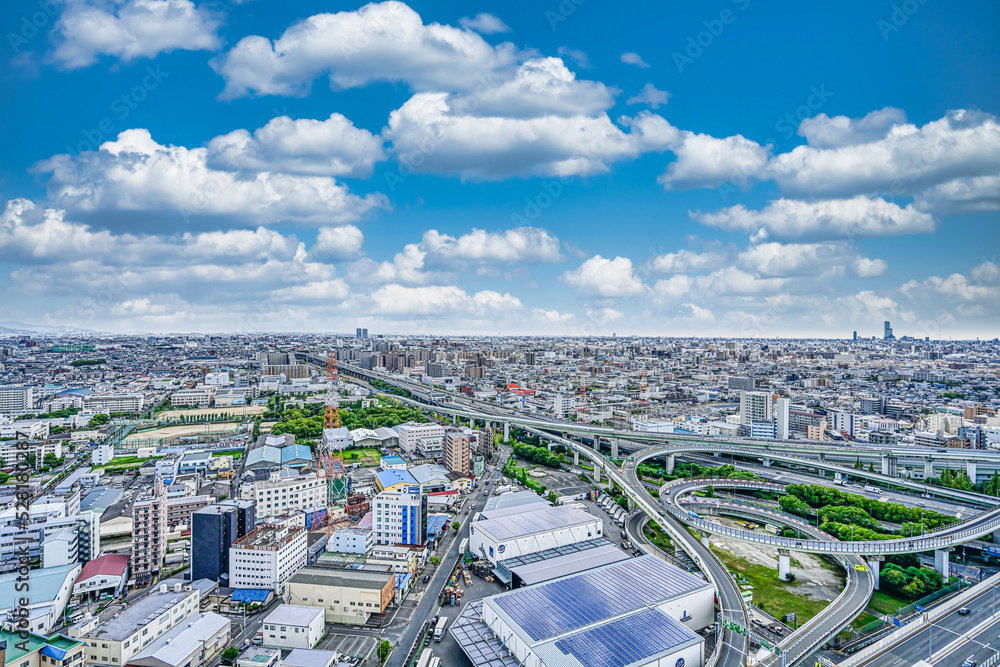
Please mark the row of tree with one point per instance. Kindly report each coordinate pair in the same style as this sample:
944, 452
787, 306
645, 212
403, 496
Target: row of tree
539, 455
815, 496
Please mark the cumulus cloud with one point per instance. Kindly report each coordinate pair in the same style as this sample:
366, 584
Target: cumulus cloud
384, 41
551, 316
650, 96
973, 295
908, 159
331, 147
822, 131
631, 58
976, 194
791, 259
441, 300
333, 243
521, 244
704, 161
683, 261
602, 314
484, 24
866, 267
130, 29
134, 174
605, 277
579, 57
855, 217
496, 147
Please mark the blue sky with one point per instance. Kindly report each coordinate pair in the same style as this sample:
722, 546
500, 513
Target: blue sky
726, 168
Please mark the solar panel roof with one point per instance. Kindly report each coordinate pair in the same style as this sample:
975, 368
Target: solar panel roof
633, 639
593, 596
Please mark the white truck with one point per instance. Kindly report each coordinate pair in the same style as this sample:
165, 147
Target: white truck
873, 489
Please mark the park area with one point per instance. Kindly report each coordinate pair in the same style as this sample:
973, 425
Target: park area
367, 457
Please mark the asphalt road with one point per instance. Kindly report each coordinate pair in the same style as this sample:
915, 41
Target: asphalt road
944, 631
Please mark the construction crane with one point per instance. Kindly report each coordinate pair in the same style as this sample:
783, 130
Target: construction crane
331, 460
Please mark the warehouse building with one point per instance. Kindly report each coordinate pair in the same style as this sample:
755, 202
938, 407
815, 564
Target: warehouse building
348, 596
532, 531
551, 564
292, 626
641, 611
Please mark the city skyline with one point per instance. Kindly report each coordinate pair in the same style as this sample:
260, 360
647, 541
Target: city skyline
515, 169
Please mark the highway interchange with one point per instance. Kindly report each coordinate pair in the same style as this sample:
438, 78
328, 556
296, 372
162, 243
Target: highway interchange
735, 646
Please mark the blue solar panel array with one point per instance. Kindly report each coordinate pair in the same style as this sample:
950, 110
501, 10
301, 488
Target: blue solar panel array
627, 640
589, 597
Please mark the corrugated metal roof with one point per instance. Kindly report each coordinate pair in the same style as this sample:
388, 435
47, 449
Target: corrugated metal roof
533, 521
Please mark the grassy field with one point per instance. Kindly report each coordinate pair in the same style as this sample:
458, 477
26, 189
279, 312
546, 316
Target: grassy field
886, 603
655, 534
124, 462
355, 454
774, 596
235, 453
864, 619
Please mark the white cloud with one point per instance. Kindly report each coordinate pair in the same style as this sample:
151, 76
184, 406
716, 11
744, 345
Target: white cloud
683, 261
704, 161
856, 217
324, 290
521, 244
578, 56
551, 316
908, 159
429, 135
136, 174
974, 295
441, 300
822, 131
866, 267
672, 288
650, 96
731, 280
331, 147
338, 243
130, 29
976, 194
484, 24
605, 277
406, 266
384, 41
630, 58
602, 314
796, 259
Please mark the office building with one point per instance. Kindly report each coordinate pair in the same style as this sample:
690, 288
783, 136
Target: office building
887, 331
285, 491
782, 418
756, 406
294, 626
127, 403
352, 541
400, 517
267, 557
457, 451
214, 529
246, 515
742, 383
149, 533
411, 432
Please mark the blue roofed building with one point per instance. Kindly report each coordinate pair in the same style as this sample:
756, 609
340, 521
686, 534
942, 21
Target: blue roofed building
51, 588
58, 650
266, 457
393, 463
296, 456
640, 612
392, 480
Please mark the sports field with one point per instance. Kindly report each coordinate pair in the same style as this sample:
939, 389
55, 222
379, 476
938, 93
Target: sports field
235, 411
183, 430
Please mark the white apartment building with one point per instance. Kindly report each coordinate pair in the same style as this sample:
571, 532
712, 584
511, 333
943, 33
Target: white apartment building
9, 450
756, 406
352, 541
15, 400
62, 403
114, 639
114, 403
102, 454
267, 557
285, 491
294, 626
411, 432
198, 397
35, 429
220, 379
149, 533
400, 517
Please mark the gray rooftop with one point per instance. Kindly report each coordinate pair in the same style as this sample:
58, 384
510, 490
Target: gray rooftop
309, 657
533, 521
567, 564
136, 615
513, 499
317, 576
293, 614
177, 645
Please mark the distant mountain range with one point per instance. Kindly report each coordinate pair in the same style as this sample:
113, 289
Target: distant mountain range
22, 328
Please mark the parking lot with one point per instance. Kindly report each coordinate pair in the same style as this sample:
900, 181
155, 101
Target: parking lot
360, 647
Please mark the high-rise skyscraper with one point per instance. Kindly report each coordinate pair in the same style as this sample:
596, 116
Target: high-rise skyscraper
887, 333
756, 406
855, 335
358, 333
149, 533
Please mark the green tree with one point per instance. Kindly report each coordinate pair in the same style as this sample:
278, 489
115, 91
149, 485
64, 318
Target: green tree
456, 526
871, 466
435, 560
857, 464
230, 654
384, 649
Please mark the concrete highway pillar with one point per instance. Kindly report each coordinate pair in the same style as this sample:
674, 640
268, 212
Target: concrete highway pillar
614, 448
873, 567
454, 419
970, 470
928, 469
576, 458
611, 485
670, 464
472, 422
766, 463
784, 564
705, 540
506, 431
597, 473
597, 443
822, 456
941, 563
550, 445
889, 465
